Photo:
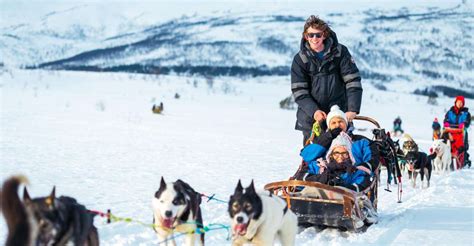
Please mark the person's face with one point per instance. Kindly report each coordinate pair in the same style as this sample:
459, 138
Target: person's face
340, 154
315, 38
337, 122
459, 104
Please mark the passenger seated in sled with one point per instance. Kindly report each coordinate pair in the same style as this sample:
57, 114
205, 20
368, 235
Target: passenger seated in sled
338, 169
364, 154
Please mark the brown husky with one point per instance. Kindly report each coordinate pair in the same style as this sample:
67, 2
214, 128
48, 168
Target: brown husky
45, 220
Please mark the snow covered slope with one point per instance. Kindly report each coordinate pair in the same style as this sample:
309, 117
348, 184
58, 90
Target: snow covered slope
428, 44
93, 136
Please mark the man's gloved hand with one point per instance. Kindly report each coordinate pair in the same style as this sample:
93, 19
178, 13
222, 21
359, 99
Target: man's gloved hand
446, 124
326, 138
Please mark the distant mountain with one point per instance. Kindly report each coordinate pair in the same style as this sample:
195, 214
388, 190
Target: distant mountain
430, 47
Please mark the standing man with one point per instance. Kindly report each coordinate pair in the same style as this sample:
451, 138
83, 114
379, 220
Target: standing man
459, 117
323, 74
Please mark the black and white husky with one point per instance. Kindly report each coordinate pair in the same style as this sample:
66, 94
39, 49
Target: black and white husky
419, 162
176, 208
259, 218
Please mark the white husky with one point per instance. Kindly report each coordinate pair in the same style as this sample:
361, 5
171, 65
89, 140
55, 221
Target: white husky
443, 157
258, 219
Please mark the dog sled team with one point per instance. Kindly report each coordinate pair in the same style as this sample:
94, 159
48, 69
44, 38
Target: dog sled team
338, 158
448, 150
256, 218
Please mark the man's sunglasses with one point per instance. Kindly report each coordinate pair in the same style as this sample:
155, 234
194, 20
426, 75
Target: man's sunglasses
314, 35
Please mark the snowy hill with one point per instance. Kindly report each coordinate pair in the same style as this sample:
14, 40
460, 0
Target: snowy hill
427, 45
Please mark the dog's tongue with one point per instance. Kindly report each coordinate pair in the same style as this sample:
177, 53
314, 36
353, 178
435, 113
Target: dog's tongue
168, 223
240, 229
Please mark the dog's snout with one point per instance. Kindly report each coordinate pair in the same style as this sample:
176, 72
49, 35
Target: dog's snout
240, 219
168, 213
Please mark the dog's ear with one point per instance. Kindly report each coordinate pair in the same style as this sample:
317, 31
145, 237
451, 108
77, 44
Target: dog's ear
26, 195
50, 199
251, 188
162, 183
186, 187
239, 189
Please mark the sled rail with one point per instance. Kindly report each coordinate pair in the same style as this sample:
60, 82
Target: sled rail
365, 118
347, 201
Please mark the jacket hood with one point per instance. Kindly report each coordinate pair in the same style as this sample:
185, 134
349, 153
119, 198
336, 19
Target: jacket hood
343, 140
459, 98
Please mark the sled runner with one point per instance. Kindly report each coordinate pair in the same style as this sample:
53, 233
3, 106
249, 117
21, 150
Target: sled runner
317, 204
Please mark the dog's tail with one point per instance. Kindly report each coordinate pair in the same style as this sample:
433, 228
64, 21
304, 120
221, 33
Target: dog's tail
15, 213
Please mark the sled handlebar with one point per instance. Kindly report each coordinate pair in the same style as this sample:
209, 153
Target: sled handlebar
365, 118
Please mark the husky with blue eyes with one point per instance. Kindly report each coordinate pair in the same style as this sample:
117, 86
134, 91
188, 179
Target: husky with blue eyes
258, 219
176, 208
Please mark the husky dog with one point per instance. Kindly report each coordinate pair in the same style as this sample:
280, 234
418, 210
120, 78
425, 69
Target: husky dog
443, 158
258, 218
22, 229
176, 206
62, 220
409, 146
46, 220
418, 162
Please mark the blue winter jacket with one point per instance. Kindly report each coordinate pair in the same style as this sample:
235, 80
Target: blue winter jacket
455, 119
354, 180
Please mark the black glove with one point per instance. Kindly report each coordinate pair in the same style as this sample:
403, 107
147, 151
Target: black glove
336, 182
335, 132
326, 138
349, 168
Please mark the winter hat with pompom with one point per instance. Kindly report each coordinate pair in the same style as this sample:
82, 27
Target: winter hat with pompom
335, 112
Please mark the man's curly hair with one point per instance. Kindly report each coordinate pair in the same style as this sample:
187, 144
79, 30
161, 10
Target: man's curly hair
316, 23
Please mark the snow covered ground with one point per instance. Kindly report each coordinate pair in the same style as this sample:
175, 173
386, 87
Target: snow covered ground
93, 136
